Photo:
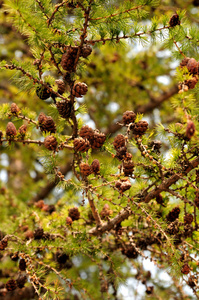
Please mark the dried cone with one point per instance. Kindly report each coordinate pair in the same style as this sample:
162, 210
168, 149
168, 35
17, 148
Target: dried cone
98, 140
61, 257
190, 130
86, 51
123, 185
140, 128
42, 118
184, 62
106, 212
159, 199
196, 201
50, 143
85, 169
185, 269
69, 221
173, 214
191, 83
40, 204
3, 244
11, 130
14, 109
188, 219
21, 280
11, 285
174, 20
87, 132
64, 108
48, 125
61, 86
68, 59
122, 153
128, 168
192, 66
130, 252
119, 141
43, 93
79, 89
22, 264
74, 213
38, 233
95, 166
128, 117
155, 146
22, 130
81, 145
149, 290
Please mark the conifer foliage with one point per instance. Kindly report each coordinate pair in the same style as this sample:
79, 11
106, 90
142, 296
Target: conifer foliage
99, 149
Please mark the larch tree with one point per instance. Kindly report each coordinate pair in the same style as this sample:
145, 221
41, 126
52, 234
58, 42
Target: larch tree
99, 140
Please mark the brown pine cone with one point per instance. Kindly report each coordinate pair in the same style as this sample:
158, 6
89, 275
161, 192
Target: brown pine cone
184, 62
196, 201
185, 269
130, 252
38, 233
87, 132
69, 221
98, 140
22, 264
85, 169
192, 66
61, 86
140, 128
40, 204
86, 51
81, 145
11, 285
149, 290
79, 89
128, 117
14, 256
95, 166
122, 153
64, 108
119, 141
128, 168
14, 109
155, 146
22, 130
159, 199
61, 257
123, 185
105, 212
11, 130
42, 92
74, 213
174, 20
3, 244
42, 118
188, 219
192, 281
50, 143
1, 135
173, 214
21, 280
190, 130
68, 59
48, 125
191, 82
